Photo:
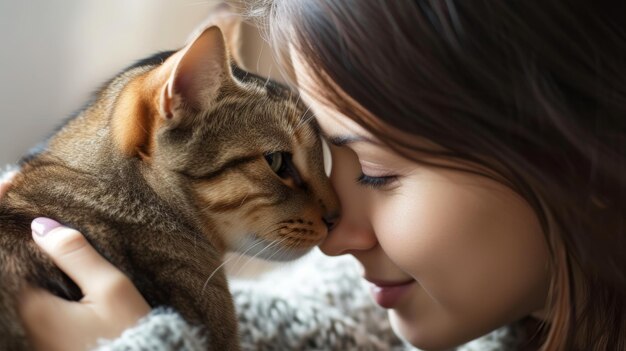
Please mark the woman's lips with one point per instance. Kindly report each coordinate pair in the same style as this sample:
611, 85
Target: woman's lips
387, 294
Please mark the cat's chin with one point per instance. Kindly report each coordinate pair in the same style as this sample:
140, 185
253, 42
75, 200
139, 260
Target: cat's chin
269, 250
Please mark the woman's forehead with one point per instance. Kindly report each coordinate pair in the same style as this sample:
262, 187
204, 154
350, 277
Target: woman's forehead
330, 120
334, 124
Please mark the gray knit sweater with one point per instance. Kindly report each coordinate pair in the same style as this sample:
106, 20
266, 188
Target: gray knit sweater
316, 303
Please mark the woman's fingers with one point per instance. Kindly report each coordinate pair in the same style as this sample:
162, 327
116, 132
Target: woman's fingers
111, 303
71, 252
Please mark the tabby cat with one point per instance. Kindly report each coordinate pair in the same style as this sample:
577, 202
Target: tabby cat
178, 159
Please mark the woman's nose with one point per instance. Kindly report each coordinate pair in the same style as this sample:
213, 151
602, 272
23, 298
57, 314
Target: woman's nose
352, 232
347, 238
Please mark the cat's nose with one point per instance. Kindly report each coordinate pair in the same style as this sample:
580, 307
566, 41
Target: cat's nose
331, 219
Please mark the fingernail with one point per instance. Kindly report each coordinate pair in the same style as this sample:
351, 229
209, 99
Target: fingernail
42, 226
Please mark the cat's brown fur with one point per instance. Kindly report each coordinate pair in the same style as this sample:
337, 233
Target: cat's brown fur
165, 171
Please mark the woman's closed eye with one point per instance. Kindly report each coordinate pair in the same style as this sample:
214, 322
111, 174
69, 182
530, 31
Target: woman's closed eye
376, 170
378, 182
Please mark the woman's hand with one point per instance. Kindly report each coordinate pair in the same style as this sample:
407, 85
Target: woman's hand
111, 303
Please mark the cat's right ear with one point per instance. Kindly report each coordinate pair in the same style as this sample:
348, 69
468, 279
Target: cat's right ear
199, 71
182, 88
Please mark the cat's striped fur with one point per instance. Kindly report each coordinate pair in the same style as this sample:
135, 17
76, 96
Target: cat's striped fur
164, 171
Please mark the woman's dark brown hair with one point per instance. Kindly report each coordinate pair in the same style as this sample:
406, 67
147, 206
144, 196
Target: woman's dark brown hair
534, 91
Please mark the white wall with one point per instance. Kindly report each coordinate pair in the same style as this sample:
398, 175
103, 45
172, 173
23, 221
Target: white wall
54, 54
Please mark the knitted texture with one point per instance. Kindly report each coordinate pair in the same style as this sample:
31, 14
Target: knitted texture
161, 330
317, 303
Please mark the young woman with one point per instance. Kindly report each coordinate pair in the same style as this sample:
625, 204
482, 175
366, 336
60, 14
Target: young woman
480, 157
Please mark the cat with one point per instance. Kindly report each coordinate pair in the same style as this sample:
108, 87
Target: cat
178, 159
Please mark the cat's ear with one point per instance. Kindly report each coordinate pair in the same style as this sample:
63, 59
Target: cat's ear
201, 68
230, 22
187, 82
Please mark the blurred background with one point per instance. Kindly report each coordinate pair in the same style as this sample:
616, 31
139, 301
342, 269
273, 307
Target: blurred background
55, 54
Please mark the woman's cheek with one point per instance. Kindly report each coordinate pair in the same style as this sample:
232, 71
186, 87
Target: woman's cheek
425, 229
404, 225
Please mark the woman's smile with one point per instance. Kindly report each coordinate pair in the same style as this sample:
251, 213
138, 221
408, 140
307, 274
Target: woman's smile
387, 293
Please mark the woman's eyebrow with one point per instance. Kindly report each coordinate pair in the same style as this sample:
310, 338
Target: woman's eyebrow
342, 140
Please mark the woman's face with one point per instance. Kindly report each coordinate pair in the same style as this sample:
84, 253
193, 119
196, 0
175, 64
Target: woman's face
451, 255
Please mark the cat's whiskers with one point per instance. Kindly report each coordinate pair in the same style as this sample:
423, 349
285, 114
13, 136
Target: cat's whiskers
215, 271
258, 61
265, 232
269, 74
275, 253
297, 126
303, 121
297, 100
282, 250
250, 258
228, 260
243, 254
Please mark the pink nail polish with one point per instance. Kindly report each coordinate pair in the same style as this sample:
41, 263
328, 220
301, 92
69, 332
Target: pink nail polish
41, 226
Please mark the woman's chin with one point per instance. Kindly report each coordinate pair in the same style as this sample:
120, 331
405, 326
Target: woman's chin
415, 335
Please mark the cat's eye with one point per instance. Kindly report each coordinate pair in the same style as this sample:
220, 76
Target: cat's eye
281, 163
275, 160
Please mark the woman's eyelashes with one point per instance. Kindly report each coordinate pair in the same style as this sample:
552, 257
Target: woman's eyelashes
375, 182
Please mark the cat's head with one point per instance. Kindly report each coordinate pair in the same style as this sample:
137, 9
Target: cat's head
243, 150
